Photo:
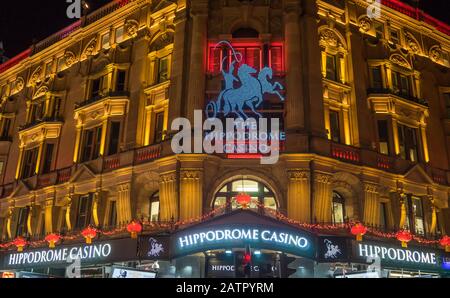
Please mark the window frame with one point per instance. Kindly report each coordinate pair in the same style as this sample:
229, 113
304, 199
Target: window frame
229, 195
154, 198
337, 198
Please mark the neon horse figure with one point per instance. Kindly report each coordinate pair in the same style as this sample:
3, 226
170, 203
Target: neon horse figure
250, 93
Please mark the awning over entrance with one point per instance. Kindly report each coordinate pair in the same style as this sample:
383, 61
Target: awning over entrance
237, 229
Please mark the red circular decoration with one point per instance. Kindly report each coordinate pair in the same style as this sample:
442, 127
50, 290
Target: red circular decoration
89, 233
243, 199
134, 228
445, 242
52, 239
358, 230
404, 236
20, 243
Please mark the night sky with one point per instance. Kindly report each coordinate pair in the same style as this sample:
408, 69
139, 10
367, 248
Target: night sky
21, 21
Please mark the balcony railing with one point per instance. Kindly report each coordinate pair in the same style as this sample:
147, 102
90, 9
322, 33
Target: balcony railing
397, 93
347, 153
40, 121
103, 95
146, 154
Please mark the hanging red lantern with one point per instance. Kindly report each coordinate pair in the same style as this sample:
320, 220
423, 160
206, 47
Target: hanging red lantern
404, 236
20, 243
243, 199
359, 231
134, 228
445, 242
89, 233
52, 239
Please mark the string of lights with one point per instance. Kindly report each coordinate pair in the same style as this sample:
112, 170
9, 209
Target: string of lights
91, 233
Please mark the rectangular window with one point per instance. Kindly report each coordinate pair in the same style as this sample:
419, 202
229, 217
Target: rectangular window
56, 108
112, 214
114, 138
2, 164
42, 233
407, 138
163, 69
383, 216
376, 78
447, 104
394, 36
119, 34
105, 41
331, 67
6, 128
22, 218
37, 111
335, 131
84, 212
215, 60
417, 212
154, 211
276, 59
383, 136
48, 158
29, 163
120, 82
91, 144
379, 30
159, 128
401, 84
96, 87
338, 212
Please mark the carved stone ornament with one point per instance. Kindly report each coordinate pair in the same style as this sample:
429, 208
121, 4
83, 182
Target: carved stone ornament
90, 48
365, 24
436, 53
19, 84
69, 58
400, 60
329, 38
35, 76
131, 27
412, 43
161, 41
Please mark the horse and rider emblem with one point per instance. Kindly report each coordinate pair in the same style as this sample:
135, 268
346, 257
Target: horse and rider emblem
252, 86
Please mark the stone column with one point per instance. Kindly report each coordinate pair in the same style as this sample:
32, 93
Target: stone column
371, 204
322, 197
191, 194
124, 203
68, 212
178, 63
312, 74
49, 216
168, 196
294, 101
298, 195
196, 81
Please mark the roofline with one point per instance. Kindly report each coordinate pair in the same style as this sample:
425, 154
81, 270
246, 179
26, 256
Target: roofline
396, 5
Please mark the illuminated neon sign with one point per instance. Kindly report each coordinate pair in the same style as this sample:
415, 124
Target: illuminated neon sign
397, 254
291, 241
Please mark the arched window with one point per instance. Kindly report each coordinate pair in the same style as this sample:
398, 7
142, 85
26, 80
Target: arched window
338, 209
154, 207
257, 190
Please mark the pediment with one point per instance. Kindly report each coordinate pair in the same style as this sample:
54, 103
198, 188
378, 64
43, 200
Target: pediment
418, 174
21, 189
82, 174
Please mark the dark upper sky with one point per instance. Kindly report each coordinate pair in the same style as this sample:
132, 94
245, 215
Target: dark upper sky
22, 21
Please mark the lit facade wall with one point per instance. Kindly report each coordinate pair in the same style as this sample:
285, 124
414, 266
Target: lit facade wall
103, 94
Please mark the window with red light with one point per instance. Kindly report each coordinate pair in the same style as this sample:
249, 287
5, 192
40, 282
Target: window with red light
257, 56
